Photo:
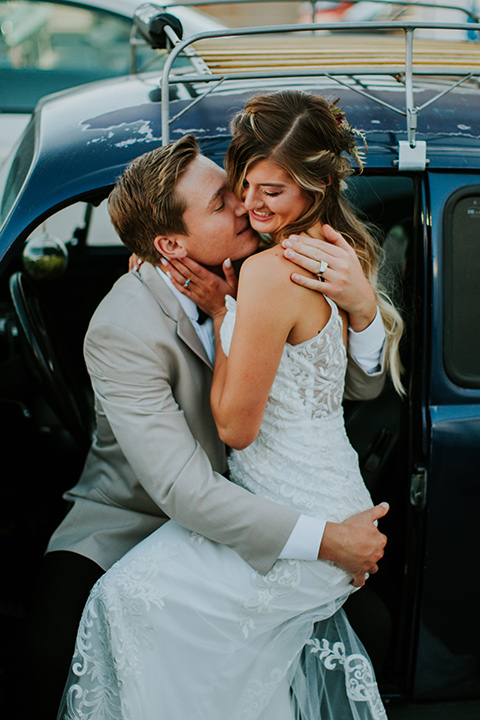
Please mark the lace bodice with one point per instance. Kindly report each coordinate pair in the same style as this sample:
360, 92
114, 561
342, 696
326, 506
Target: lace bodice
310, 378
302, 455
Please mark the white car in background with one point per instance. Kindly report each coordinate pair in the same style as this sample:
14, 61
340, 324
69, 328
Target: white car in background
50, 45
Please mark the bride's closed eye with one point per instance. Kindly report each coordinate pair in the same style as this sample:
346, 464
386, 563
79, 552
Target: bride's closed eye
271, 193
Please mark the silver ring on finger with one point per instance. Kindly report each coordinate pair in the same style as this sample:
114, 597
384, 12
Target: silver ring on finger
187, 283
322, 266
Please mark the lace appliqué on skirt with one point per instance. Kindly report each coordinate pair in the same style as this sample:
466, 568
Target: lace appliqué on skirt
360, 684
117, 616
282, 580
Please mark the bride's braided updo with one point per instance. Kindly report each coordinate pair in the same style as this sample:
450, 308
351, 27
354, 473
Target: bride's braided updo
310, 139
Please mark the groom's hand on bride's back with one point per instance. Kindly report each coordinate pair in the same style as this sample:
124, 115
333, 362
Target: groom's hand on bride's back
356, 545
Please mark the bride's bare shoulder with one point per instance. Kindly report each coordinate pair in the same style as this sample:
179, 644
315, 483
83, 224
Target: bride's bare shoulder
269, 264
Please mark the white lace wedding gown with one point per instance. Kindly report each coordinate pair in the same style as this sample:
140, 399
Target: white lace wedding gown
182, 628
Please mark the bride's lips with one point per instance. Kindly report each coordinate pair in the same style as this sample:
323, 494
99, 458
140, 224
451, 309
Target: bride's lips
260, 218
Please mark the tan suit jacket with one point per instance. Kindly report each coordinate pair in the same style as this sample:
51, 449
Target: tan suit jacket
156, 453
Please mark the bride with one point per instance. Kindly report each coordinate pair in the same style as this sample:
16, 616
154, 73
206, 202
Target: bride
181, 627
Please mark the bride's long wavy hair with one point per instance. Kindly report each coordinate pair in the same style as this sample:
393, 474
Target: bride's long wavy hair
310, 139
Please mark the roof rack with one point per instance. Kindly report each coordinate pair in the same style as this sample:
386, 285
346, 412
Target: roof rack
303, 53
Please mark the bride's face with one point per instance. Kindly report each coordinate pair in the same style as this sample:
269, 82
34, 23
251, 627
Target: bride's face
273, 199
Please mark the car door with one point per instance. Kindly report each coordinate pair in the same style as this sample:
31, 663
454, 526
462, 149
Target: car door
445, 486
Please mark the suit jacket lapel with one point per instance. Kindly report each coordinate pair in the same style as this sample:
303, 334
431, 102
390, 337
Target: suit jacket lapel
171, 307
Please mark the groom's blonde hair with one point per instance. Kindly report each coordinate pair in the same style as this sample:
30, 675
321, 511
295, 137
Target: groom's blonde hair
144, 202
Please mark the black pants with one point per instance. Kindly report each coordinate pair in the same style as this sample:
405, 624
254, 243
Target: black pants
60, 593
62, 589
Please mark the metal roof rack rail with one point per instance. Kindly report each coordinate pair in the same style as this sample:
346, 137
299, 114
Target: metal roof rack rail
411, 152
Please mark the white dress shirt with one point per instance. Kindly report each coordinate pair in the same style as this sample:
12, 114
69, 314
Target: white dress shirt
204, 330
365, 346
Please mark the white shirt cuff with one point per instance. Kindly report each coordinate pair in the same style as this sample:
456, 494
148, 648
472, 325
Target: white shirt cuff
366, 346
305, 539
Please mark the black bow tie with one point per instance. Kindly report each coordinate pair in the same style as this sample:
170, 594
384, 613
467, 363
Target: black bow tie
202, 316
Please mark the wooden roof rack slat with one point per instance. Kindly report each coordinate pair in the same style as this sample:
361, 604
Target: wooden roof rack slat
261, 53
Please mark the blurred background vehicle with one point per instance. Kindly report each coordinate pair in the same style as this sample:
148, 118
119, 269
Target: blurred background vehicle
438, 11
49, 46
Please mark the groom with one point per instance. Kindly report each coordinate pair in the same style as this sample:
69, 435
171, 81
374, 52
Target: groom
156, 453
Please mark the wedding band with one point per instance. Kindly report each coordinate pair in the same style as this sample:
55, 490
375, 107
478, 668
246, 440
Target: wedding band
323, 265
187, 283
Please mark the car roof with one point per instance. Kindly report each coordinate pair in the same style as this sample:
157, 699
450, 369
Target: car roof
109, 121
85, 137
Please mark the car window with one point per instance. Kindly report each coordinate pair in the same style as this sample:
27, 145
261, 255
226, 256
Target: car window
66, 222
46, 47
461, 297
14, 171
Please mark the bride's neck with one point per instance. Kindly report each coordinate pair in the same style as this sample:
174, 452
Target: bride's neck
316, 230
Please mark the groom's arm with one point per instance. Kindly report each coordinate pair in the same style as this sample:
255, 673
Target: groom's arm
355, 545
135, 389
366, 372
175, 471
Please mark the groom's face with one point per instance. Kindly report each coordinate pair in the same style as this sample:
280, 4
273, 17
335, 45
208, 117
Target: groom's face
217, 223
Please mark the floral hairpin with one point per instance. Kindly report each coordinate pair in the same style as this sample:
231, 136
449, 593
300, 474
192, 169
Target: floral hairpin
349, 133
336, 111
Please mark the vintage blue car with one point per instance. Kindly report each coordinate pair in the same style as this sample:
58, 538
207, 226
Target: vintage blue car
417, 103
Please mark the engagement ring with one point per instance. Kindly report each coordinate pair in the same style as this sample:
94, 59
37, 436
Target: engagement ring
323, 265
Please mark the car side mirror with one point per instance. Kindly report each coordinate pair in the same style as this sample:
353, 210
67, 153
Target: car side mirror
45, 257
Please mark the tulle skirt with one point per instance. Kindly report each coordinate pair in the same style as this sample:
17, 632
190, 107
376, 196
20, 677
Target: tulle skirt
182, 628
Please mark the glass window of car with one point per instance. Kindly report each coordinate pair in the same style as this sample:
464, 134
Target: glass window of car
461, 268
46, 47
13, 173
65, 223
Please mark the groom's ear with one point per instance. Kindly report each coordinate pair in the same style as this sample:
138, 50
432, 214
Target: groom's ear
170, 246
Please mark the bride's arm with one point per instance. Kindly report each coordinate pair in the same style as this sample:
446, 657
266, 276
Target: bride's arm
267, 310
